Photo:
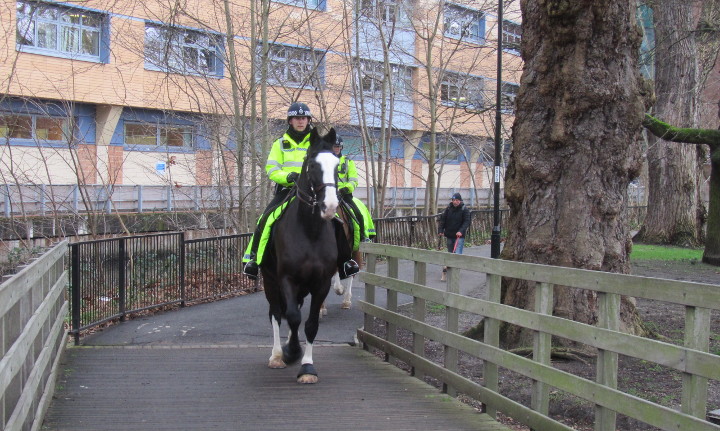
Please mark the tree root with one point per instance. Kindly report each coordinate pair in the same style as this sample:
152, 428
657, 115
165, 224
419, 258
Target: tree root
566, 353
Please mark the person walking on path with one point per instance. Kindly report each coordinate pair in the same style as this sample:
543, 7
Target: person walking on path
453, 224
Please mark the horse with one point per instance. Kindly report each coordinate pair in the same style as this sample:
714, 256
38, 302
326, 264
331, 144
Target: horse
303, 256
344, 287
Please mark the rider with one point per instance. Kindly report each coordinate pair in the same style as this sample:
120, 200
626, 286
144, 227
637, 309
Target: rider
283, 167
347, 181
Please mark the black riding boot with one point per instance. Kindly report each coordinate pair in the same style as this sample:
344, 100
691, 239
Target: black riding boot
251, 268
347, 267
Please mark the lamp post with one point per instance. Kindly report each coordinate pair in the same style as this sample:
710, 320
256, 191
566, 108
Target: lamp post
495, 237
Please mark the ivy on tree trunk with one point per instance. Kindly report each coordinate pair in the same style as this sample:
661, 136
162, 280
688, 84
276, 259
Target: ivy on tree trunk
711, 138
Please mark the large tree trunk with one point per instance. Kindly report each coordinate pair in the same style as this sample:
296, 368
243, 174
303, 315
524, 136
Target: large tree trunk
575, 148
676, 213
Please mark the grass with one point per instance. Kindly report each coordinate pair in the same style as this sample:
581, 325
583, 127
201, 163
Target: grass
660, 252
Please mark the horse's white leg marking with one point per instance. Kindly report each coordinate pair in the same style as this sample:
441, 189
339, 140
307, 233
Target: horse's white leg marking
307, 357
275, 360
347, 298
337, 285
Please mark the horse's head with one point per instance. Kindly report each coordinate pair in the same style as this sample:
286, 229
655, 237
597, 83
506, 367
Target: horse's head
320, 172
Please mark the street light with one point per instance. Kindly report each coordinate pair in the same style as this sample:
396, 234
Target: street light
495, 237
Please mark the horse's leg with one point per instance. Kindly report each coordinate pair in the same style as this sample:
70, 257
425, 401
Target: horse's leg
347, 296
337, 285
292, 350
307, 373
276, 360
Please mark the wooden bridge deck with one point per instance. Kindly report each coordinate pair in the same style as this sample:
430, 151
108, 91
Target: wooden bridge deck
225, 387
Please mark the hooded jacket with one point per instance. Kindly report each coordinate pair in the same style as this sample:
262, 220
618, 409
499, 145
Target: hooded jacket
453, 220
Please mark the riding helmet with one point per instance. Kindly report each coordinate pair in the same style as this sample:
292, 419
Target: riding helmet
298, 109
339, 141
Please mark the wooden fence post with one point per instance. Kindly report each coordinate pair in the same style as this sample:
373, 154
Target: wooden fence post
492, 338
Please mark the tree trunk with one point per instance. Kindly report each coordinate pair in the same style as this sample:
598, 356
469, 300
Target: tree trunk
575, 148
675, 213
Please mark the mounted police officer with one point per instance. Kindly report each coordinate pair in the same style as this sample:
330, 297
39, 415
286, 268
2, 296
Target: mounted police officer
347, 182
283, 167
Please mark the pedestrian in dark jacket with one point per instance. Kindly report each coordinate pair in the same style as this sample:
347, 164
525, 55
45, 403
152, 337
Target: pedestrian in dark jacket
454, 222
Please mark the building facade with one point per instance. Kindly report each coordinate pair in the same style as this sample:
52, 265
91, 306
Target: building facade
127, 92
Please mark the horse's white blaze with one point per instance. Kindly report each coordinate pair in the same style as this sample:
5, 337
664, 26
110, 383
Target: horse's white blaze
329, 163
307, 357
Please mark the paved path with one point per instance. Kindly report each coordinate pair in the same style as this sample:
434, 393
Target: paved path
204, 368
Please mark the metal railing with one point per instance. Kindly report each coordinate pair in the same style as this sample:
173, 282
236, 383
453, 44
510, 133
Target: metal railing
42, 199
111, 278
421, 231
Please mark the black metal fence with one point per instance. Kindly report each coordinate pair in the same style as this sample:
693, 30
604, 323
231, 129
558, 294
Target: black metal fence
421, 231
111, 278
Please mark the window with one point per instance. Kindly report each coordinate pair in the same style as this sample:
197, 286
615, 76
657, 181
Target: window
463, 23
310, 4
447, 148
158, 135
388, 11
291, 66
59, 30
38, 128
373, 75
179, 50
511, 36
462, 90
509, 93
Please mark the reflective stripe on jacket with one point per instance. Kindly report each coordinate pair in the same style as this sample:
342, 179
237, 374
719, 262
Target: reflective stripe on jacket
286, 156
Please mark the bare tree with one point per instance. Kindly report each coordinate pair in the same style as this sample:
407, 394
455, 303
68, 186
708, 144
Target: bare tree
676, 213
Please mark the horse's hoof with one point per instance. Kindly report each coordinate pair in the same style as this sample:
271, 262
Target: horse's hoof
276, 363
346, 305
290, 356
307, 375
323, 311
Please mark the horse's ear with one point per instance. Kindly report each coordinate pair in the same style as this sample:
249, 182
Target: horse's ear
331, 136
314, 134
329, 140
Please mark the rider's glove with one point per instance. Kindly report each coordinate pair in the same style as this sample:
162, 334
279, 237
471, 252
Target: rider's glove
344, 191
292, 177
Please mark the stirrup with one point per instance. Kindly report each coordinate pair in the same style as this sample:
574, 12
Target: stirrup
251, 270
349, 269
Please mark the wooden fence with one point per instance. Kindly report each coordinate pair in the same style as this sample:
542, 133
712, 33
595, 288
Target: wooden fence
691, 359
33, 308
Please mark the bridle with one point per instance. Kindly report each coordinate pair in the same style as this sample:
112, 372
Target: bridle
311, 199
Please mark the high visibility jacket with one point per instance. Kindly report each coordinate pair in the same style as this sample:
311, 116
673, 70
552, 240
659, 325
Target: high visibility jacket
286, 156
347, 174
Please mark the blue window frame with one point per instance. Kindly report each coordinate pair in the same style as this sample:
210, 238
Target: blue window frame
372, 76
464, 23
462, 90
183, 51
292, 66
48, 29
387, 11
34, 128
448, 149
509, 93
309, 4
143, 135
511, 37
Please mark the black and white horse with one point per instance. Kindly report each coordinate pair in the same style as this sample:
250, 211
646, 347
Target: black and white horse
302, 256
